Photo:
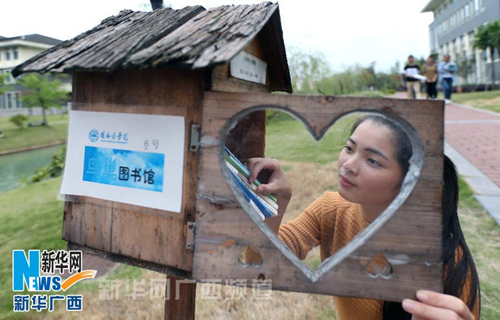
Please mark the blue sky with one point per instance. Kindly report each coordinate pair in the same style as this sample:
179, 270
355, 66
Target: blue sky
346, 32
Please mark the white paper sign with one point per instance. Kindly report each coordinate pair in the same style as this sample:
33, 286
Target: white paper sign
247, 67
131, 158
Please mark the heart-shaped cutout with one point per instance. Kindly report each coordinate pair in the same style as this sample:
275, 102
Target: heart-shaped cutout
378, 266
251, 256
246, 128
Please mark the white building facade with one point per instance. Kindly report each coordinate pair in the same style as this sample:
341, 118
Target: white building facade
452, 32
14, 51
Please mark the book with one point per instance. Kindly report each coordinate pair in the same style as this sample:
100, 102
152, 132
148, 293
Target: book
267, 202
254, 201
265, 205
229, 157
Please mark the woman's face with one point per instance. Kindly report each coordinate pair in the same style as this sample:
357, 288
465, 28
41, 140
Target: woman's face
369, 173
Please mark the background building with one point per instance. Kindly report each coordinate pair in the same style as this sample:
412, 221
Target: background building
14, 51
452, 31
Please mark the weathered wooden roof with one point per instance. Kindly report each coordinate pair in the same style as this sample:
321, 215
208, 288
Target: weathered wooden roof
191, 37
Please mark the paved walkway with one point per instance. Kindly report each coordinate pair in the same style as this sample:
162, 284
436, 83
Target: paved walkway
475, 134
473, 143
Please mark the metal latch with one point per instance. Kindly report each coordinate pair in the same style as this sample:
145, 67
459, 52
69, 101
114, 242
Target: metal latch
190, 235
194, 143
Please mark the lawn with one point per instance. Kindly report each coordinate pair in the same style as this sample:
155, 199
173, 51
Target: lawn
290, 141
488, 100
51, 119
15, 139
32, 219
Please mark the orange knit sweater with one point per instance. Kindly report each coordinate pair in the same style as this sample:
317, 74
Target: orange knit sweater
332, 222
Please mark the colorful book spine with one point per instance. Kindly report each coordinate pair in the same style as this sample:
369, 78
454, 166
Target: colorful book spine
229, 157
253, 188
251, 197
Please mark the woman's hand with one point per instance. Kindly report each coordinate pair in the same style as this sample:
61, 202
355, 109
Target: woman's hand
277, 184
437, 306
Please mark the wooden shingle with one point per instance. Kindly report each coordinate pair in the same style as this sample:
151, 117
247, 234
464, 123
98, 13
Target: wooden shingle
192, 37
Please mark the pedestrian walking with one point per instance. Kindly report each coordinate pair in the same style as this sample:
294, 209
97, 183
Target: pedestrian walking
431, 76
412, 83
446, 70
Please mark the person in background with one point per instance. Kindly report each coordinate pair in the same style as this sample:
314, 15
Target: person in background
412, 83
446, 70
431, 77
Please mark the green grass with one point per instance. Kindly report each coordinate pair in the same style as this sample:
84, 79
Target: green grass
481, 233
6, 124
466, 196
289, 140
14, 139
467, 96
32, 219
487, 100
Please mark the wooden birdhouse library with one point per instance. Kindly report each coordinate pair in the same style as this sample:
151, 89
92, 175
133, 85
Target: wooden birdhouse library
166, 108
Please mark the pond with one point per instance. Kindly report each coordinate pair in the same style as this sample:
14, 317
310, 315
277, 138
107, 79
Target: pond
14, 167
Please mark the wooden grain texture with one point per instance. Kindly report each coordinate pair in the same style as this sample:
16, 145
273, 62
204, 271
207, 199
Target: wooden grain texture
130, 261
414, 232
145, 234
182, 299
247, 138
222, 80
191, 37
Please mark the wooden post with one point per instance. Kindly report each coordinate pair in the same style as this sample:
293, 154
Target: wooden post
180, 299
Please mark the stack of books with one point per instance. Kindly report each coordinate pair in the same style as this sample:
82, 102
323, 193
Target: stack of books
264, 204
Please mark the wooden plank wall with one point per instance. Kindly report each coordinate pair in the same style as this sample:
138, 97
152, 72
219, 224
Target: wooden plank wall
141, 233
412, 234
221, 80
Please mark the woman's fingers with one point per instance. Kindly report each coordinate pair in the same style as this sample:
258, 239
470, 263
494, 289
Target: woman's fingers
267, 188
277, 183
445, 301
437, 306
256, 166
249, 163
426, 312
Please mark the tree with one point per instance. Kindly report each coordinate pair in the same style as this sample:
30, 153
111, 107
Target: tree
44, 92
488, 38
18, 120
308, 70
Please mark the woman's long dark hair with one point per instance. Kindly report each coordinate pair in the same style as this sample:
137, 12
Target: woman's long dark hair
457, 260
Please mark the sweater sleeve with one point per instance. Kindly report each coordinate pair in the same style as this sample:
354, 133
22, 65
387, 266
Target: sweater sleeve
303, 233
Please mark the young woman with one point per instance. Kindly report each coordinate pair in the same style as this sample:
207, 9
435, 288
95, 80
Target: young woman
371, 168
431, 77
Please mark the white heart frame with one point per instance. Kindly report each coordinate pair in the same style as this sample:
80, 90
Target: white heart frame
408, 184
219, 245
